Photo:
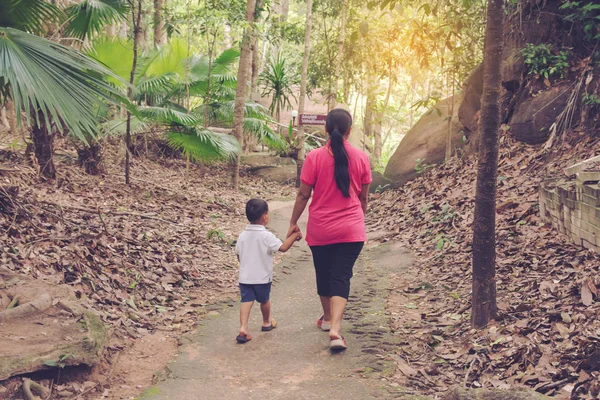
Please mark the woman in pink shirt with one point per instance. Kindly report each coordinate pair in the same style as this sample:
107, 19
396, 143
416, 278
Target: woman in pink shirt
338, 177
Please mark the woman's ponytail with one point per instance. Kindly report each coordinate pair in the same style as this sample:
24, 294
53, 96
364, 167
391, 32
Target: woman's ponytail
339, 120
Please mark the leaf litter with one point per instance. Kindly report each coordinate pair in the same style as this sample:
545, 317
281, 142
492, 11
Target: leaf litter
148, 257
547, 334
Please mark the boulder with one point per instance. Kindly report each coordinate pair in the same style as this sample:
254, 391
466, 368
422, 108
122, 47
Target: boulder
494, 394
471, 104
48, 328
379, 182
283, 174
426, 141
533, 116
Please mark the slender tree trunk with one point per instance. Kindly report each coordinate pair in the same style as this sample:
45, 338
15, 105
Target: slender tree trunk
160, 37
484, 222
450, 115
207, 98
43, 146
255, 52
136, 16
303, 79
240, 91
340, 57
377, 137
111, 31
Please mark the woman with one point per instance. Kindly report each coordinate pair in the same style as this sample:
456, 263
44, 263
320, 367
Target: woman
338, 177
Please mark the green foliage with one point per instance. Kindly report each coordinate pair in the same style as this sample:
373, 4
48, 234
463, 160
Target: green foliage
91, 16
64, 84
587, 13
543, 61
421, 166
590, 99
28, 15
278, 80
60, 363
203, 145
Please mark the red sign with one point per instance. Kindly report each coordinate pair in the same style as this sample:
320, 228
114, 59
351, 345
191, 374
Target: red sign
312, 119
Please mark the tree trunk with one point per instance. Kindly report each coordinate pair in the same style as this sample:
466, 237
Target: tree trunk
340, 57
484, 223
90, 158
377, 137
450, 115
43, 146
255, 52
136, 39
160, 37
240, 91
303, 79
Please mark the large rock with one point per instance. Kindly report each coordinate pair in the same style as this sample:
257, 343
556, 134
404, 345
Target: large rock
60, 333
426, 141
471, 104
494, 394
534, 116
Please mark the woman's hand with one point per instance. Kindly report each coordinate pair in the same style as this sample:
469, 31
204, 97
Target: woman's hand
294, 230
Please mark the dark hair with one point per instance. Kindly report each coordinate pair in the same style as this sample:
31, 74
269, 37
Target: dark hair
255, 209
338, 124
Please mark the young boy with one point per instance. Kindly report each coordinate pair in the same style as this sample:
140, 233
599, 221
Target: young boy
255, 248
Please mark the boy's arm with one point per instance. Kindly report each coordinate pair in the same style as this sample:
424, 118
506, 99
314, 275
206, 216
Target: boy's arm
289, 242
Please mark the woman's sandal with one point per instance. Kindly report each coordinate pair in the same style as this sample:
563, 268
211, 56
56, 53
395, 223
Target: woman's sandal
270, 327
243, 338
338, 344
322, 324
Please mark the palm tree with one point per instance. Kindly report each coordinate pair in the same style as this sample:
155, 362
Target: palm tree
161, 85
278, 81
484, 221
58, 88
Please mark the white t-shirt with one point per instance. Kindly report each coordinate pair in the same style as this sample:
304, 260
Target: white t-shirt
256, 246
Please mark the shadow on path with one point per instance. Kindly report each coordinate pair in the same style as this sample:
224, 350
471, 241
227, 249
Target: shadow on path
293, 361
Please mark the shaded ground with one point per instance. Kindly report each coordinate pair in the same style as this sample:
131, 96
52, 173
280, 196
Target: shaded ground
293, 361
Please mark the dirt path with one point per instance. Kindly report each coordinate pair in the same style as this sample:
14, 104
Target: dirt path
293, 361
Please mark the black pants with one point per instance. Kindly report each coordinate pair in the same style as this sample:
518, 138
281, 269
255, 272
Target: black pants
333, 266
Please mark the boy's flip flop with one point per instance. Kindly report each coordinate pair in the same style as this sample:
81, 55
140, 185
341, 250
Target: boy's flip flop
322, 324
270, 327
243, 338
338, 344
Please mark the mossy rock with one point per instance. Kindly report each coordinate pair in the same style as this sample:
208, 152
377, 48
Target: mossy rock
38, 343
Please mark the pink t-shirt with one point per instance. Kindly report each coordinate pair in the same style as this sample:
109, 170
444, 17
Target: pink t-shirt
333, 218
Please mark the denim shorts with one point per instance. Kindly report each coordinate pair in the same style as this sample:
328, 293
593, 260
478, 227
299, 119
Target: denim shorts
259, 292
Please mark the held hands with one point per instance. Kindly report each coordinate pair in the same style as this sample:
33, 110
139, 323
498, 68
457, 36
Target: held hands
294, 230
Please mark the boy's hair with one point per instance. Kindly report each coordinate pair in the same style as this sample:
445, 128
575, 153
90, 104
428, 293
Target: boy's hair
255, 209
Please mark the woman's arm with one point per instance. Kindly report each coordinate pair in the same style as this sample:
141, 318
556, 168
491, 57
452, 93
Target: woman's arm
304, 193
364, 197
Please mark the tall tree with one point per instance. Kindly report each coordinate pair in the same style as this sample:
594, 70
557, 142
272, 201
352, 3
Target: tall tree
484, 223
240, 91
303, 78
136, 16
339, 58
160, 37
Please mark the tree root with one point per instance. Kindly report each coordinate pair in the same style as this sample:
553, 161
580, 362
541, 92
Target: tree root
4, 301
29, 385
42, 303
14, 303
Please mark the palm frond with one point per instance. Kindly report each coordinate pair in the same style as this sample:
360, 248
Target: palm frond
170, 59
116, 54
204, 145
168, 116
262, 131
90, 16
62, 83
28, 15
117, 127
